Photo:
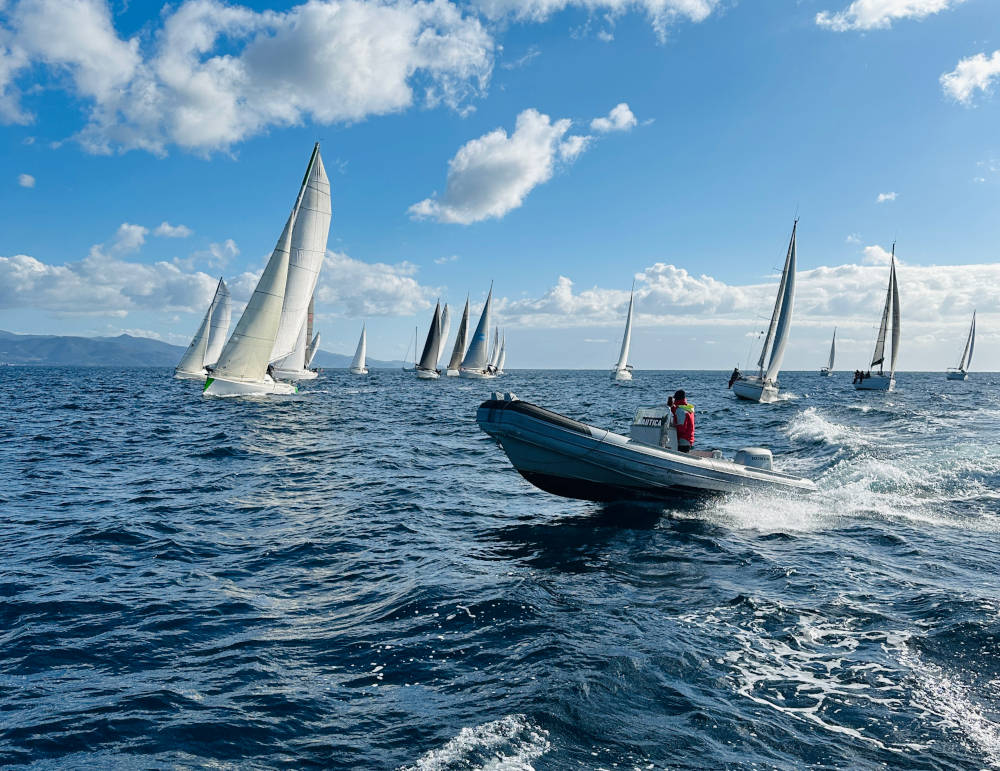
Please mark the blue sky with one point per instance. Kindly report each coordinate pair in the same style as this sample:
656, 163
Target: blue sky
734, 117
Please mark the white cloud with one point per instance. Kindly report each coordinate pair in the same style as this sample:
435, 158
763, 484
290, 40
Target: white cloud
880, 14
661, 13
876, 255
853, 238
129, 238
446, 260
359, 289
883, 197
166, 230
619, 119
491, 175
974, 73
25, 180
215, 74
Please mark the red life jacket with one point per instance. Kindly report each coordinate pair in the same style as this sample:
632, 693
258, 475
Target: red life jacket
684, 418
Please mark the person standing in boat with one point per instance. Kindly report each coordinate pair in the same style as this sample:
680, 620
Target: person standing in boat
683, 421
735, 376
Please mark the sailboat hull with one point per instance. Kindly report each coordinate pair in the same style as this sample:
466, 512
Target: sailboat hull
753, 389
569, 458
182, 375
956, 374
359, 370
876, 383
453, 373
475, 374
296, 374
427, 374
622, 375
826, 372
220, 387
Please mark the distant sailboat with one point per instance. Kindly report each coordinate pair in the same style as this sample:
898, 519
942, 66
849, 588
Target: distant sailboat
207, 343
828, 369
881, 381
476, 361
763, 387
623, 370
461, 340
358, 366
427, 366
502, 359
961, 372
309, 237
491, 366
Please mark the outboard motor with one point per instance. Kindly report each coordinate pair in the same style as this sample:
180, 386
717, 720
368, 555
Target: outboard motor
754, 457
651, 426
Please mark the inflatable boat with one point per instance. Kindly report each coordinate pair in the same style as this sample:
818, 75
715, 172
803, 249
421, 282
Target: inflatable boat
566, 457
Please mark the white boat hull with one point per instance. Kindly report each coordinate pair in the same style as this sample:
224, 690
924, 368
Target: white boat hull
295, 374
753, 389
876, 383
359, 370
622, 375
427, 374
568, 458
452, 373
181, 375
475, 374
220, 387
826, 372
957, 374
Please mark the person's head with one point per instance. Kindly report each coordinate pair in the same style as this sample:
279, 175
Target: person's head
679, 395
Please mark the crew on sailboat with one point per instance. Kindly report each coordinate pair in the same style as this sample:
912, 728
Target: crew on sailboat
734, 377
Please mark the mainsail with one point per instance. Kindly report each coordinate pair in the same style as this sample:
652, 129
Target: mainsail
627, 339
461, 339
211, 335
246, 354
361, 354
502, 359
495, 352
895, 317
970, 344
428, 358
475, 357
891, 305
311, 349
308, 247
445, 329
781, 317
833, 350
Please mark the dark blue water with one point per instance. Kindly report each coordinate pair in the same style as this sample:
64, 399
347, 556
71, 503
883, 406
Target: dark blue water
356, 578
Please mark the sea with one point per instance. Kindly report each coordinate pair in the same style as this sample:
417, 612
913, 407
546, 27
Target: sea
355, 577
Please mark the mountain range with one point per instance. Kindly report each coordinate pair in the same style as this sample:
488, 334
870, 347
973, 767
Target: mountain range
122, 351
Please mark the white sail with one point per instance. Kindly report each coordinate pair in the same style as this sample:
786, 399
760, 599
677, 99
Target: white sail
476, 357
461, 339
311, 349
502, 359
966, 361
308, 247
445, 330
246, 354
428, 356
895, 315
627, 339
783, 310
833, 350
219, 328
878, 358
361, 354
199, 351
495, 352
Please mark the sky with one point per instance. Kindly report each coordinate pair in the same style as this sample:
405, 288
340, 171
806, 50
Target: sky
561, 149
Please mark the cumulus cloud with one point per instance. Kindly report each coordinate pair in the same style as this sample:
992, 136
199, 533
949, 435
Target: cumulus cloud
883, 197
491, 175
213, 74
661, 13
166, 230
619, 119
359, 289
880, 14
129, 238
974, 73
25, 180
876, 255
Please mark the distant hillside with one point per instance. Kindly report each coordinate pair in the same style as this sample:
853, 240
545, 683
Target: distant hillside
121, 351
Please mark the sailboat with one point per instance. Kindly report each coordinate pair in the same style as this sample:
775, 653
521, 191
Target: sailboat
623, 370
309, 237
475, 365
359, 363
961, 372
828, 369
427, 366
206, 345
491, 365
502, 359
460, 341
445, 331
763, 387
880, 381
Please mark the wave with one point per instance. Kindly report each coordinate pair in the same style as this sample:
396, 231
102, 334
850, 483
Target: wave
511, 743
